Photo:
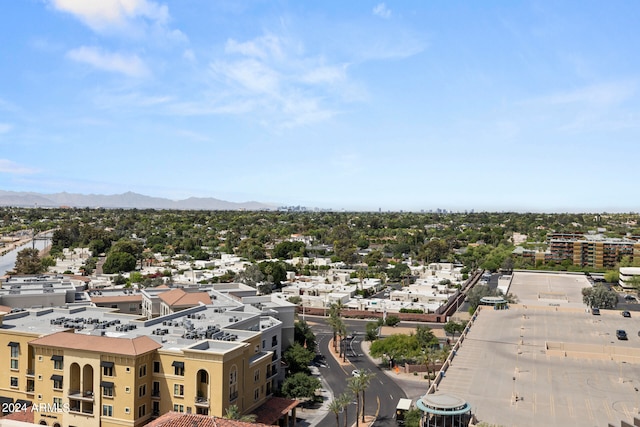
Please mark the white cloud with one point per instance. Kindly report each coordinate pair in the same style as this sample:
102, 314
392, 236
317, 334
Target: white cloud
267, 46
5, 127
250, 74
189, 55
130, 65
327, 74
600, 95
103, 14
382, 11
7, 166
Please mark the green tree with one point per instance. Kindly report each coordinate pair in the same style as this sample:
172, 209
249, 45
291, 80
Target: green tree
119, 262
335, 406
452, 327
303, 335
372, 331
298, 358
394, 347
392, 320
300, 385
251, 275
599, 296
28, 262
611, 276
365, 380
425, 337
233, 413
398, 271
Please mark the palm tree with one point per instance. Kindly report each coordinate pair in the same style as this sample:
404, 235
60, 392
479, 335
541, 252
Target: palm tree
233, 413
335, 406
345, 401
354, 385
365, 380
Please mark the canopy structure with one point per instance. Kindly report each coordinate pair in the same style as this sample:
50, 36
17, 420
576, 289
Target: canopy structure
444, 410
498, 303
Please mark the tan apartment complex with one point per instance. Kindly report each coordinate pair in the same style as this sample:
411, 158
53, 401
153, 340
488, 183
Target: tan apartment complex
90, 366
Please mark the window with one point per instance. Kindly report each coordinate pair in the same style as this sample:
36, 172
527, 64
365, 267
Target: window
58, 362
155, 389
107, 369
142, 390
15, 353
107, 388
107, 410
156, 366
178, 368
263, 343
57, 382
274, 341
256, 394
178, 408
57, 402
178, 390
142, 372
127, 410
14, 381
256, 375
142, 410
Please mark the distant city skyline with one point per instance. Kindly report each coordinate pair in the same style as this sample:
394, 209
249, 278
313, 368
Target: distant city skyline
365, 106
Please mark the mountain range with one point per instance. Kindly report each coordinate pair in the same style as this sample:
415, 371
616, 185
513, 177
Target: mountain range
128, 200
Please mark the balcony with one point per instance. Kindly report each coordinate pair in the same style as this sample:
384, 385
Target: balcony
233, 396
202, 402
80, 410
155, 394
31, 372
86, 396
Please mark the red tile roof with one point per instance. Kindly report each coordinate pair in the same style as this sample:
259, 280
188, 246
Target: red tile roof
26, 416
176, 419
270, 411
124, 346
178, 297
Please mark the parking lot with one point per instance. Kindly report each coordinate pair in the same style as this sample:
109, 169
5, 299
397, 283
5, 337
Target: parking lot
548, 360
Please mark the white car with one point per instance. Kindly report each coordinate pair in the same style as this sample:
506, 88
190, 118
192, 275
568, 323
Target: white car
355, 373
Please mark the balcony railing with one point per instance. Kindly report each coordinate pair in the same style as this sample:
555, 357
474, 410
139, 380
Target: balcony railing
77, 394
202, 401
31, 372
233, 396
155, 393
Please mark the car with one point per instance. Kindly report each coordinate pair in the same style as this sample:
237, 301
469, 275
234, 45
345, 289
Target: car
595, 311
621, 334
386, 294
626, 314
355, 373
629, 297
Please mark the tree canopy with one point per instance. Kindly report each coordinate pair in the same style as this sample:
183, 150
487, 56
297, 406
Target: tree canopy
300, 385
28, 262
599, 296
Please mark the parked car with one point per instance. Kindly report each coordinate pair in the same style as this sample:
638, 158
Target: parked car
626, 314
621, 334
595, 311
629, 297
355, 373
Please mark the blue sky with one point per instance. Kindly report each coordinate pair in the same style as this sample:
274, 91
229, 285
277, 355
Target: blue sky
411, 105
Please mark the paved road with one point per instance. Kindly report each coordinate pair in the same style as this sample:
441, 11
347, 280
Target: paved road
383, 393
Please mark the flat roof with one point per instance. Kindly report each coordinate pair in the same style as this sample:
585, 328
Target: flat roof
549, 289
505, 355
174, 331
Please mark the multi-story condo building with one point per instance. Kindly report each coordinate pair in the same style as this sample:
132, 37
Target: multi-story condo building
591, 250
91, 366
